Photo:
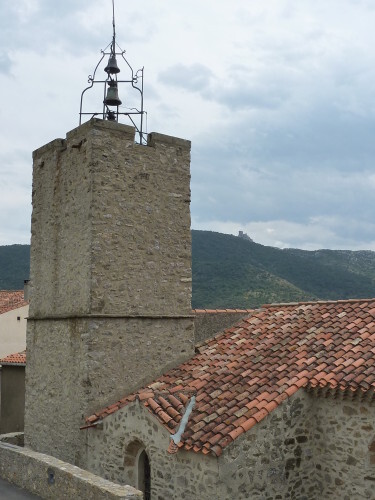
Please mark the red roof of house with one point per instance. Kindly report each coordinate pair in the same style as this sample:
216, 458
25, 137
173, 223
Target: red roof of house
18, 358
244, 373
10, 300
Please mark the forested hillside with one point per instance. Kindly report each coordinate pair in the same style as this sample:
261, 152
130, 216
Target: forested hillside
14, 266
230, 272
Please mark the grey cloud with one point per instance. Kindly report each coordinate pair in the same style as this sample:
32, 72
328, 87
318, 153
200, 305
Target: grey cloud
246, 87
15, 197
310, 235
5, 63
322, 137
348, 228
312, 165
65, 8
60, 24
291, 101
266, 191
49, 24
16, 165
195, 78
237, 91
245, 96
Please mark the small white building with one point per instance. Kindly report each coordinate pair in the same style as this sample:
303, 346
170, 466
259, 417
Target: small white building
14, 310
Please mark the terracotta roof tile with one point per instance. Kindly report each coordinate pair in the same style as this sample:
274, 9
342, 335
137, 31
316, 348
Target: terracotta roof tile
10, 300
244, 373
222, 311
18, 358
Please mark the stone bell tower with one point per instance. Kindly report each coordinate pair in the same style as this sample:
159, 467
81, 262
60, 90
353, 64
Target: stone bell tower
110, 276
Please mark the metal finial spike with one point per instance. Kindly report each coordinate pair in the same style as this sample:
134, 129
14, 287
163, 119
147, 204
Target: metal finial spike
114, 26
132, 114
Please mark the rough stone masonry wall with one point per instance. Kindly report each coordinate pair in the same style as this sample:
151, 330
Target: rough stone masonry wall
113, 450
60, 230
110, 276
344, 437
55, 389
111, 224
209, 324
274, 460
12, 399
141, 242
99, 361
53, 479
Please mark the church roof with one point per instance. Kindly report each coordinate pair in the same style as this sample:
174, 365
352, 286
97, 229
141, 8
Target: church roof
221, 311
18, 358
11, 299
244, 373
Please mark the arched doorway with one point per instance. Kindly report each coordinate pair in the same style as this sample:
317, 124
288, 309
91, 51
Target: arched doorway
144, 474
137, 468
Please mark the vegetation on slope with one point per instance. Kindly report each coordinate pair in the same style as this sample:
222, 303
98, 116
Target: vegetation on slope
14, 266
230, 272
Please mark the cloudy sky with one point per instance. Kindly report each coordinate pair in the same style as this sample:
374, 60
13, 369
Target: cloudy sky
277, 97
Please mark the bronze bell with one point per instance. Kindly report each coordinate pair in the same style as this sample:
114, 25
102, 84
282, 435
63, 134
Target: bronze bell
112, 98
112, 67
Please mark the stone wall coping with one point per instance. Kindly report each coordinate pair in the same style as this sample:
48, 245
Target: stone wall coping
56, 144
16, 438
155, 138
97, 123
112, 316
7, 364
52, 478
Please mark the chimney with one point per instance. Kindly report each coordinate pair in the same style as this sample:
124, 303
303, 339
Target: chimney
26, 290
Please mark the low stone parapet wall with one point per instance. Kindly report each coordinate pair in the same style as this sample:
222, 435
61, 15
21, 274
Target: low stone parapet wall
209, 322
53, 479
16, 438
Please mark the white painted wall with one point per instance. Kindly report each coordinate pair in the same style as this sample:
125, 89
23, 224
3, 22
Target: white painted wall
13, 331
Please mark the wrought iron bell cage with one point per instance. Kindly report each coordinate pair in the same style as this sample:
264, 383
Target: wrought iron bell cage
112, 108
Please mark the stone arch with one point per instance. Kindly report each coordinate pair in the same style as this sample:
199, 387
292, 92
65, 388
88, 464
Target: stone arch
137, 467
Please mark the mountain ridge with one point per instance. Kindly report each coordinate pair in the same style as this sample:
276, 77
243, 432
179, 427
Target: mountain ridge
232, 272
307, 275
